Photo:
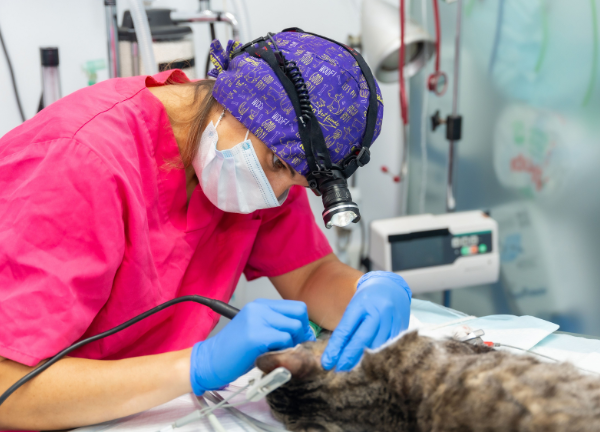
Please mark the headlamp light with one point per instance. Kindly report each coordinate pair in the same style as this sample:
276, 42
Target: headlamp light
341, 216
339, 210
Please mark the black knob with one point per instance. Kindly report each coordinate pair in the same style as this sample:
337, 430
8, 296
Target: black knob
436, 120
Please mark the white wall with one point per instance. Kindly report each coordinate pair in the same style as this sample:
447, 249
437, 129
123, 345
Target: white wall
75, 26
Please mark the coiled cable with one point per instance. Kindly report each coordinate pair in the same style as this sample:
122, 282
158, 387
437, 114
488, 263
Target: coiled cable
292, 70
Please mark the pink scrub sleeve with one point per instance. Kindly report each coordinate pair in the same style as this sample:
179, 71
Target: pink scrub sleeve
61, 242
288, 238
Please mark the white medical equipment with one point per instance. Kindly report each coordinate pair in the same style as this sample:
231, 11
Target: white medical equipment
150, 40
172, 45
256, 391
275, 379
437, 252
380, 30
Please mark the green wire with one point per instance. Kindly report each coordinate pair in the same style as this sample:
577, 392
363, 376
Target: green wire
315, 328
590, 89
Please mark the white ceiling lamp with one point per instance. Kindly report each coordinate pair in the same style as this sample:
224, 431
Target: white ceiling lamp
380, 29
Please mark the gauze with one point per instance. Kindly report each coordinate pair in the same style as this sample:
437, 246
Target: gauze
233, 179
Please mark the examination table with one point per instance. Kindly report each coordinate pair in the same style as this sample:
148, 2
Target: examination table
526, 333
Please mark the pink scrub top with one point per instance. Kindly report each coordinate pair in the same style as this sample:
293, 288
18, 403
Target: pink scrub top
94, 230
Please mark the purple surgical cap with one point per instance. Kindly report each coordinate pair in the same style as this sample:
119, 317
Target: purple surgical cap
248, 88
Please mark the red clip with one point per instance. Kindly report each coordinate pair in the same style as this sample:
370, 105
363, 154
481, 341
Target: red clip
490, 344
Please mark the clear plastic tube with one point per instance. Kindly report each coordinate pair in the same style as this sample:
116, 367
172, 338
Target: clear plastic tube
50, 85
144, 37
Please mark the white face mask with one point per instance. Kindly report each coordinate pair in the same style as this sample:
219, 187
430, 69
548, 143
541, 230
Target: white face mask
233, 179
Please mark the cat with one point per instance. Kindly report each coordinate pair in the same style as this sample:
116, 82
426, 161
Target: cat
422, 384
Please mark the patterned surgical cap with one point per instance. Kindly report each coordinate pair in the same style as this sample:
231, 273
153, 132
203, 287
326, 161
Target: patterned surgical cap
248, 88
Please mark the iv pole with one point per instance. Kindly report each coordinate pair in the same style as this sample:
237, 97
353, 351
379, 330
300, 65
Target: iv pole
453, 124
112, 35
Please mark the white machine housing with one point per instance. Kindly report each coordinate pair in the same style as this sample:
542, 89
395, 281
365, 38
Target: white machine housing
437, 252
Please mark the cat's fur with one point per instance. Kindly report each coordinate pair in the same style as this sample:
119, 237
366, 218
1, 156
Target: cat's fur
421, 384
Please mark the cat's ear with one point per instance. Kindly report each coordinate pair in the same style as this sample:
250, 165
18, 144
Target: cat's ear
301, 361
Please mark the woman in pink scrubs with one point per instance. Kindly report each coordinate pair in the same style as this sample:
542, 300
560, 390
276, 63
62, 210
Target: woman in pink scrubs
135, 191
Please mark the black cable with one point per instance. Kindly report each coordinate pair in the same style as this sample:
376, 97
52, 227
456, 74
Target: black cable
41, 104
218, 306
12, 77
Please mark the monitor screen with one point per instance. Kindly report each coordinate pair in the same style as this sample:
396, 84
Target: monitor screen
435, 248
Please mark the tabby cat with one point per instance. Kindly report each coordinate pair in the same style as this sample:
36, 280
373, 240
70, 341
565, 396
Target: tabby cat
422, 384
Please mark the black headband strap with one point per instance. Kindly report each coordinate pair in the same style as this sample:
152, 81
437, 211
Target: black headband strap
366, 71
359, 158
311, 135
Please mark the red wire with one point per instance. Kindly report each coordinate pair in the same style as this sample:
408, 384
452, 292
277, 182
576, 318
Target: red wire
403, 102
436, 14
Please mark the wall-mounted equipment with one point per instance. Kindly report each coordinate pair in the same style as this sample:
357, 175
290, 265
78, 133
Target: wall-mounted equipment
380, 30
437, 252
172, 45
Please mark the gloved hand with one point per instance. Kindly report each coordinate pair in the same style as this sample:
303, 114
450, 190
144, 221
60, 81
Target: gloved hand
379, 310
261, 326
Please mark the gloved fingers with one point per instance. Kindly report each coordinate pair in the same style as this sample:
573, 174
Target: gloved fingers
362, 338
292, 326
290, 308
310, 335
278, 340
401, 316
386, 324
341, 335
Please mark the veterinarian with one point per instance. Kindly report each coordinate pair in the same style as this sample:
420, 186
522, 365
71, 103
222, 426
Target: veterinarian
135, 191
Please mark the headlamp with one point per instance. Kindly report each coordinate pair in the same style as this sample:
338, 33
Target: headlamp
325, 178
337, 200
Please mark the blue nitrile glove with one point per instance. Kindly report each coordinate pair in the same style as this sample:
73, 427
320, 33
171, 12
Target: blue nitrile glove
261, 326
379, 310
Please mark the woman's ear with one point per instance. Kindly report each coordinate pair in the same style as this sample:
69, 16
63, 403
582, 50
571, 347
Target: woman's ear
303, 361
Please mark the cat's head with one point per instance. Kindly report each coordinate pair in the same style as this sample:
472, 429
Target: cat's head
314, 399
303, 361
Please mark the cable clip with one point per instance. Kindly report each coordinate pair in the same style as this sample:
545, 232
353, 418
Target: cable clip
272, 381
474, 338
363, 157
